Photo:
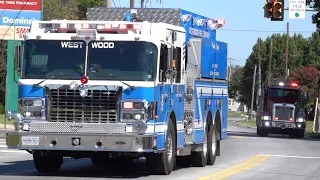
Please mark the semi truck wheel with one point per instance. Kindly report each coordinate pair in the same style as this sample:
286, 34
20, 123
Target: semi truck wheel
300, 133
47, 163
163, 163
212, 145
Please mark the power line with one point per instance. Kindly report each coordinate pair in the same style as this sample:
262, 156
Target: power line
114, 3
266, 31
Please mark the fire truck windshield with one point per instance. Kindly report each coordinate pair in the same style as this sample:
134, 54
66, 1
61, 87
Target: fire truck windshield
47, 58
283, 95
127, 60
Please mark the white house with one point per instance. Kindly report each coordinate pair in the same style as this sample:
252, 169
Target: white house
234, 105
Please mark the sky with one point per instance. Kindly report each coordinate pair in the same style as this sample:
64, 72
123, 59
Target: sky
245, 21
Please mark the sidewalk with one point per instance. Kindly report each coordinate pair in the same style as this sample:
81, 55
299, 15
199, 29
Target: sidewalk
9, 127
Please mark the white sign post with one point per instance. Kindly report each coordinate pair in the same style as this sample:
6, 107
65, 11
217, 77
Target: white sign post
297, 9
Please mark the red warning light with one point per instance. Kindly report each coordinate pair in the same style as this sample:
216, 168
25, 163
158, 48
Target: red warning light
84, 80
294, 84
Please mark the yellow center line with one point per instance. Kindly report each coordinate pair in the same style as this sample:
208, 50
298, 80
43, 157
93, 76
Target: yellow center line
242, 169
229, 169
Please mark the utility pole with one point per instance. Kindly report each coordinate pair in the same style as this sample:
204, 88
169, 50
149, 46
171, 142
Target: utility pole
253, 87
287, 52
270, 60
259, 70
131, 3
142, 3
108, 3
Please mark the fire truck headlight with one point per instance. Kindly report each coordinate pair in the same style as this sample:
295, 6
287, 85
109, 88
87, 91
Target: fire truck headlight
266, 118
137, 110
140, 127
32, 108
300, 119
32, 102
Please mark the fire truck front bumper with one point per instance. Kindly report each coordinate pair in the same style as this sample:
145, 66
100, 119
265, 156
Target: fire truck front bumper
81, 142
283, 125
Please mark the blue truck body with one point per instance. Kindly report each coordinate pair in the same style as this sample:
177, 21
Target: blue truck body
194, 104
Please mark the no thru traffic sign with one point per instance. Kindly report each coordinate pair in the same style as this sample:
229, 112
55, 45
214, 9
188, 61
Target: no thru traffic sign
297, 9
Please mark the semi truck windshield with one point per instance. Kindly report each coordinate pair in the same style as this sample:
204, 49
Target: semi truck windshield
286, 94
126, 60
47, 58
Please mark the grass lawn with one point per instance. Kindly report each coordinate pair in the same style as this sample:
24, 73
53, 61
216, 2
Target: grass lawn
235, 114
251, 123
2, 120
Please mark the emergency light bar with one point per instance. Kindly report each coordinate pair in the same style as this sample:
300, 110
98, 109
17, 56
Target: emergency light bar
293, 84
65, 26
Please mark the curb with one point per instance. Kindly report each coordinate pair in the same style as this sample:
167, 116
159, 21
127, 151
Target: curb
9, 127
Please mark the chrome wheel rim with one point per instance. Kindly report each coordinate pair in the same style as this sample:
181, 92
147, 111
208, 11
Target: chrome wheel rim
205, 144
169, 147
213, 147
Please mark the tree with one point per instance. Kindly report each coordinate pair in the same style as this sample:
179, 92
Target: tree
308, 76
235, 82
302, 52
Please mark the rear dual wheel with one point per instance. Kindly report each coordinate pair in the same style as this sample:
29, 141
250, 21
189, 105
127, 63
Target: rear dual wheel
208, 153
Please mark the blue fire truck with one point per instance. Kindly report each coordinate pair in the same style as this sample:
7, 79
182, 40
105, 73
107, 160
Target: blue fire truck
124, 84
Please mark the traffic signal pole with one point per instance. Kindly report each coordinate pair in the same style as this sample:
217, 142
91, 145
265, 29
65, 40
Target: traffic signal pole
287, 52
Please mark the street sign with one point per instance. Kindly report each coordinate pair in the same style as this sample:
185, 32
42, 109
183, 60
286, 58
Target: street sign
297, 9
17, 16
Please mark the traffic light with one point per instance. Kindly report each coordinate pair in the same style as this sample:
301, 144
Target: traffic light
268, 9
278, 10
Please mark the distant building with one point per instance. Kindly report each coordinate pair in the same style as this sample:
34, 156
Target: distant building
234, 105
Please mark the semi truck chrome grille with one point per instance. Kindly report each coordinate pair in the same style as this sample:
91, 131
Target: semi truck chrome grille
68, 106
284, 113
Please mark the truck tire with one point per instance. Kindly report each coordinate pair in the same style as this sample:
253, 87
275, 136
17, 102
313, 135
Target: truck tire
199, 158
46, 162
212, 145
258, 131
98, 160
163, 163
300, 134
262, 132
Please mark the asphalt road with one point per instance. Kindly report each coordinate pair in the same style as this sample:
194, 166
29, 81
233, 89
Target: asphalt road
243, 156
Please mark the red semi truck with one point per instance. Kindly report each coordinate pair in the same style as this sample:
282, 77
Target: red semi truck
279, 110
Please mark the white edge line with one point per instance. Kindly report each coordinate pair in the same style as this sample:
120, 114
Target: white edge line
284, 156
14, 151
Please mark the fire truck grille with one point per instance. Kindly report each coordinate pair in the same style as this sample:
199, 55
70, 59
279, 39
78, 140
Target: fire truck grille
68, 106
284, 113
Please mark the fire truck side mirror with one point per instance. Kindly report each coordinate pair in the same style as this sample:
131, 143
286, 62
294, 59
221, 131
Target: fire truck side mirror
17, 57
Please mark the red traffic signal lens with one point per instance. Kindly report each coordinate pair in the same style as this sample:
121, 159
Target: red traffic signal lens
269, 5
84, 79
278, 6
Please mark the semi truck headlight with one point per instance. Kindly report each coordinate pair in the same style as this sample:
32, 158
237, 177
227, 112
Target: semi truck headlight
266, 118
300, 119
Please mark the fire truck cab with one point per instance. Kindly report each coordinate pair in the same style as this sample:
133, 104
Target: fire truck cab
279, 110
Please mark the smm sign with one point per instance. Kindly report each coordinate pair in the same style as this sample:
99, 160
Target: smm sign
25, 18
